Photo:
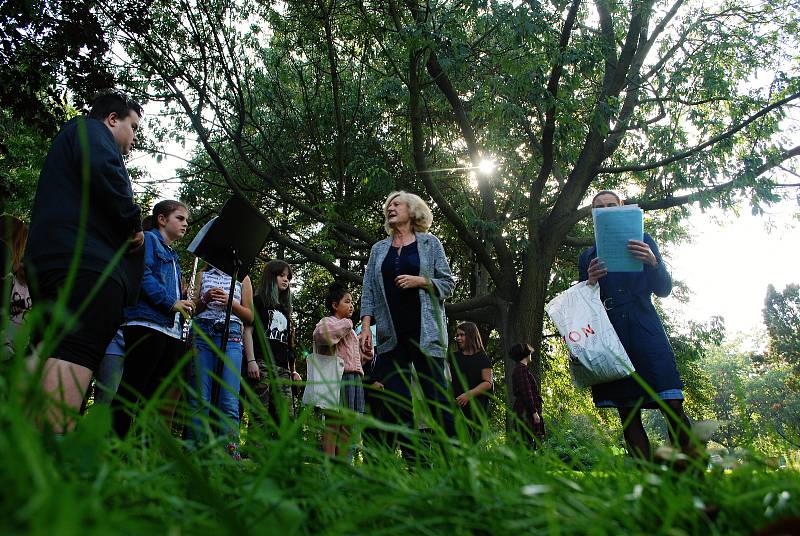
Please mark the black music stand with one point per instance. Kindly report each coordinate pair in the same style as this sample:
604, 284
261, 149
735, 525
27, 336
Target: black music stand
230, 242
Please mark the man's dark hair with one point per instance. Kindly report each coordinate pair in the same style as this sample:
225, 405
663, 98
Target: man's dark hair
107, 102
607, 192
520, 351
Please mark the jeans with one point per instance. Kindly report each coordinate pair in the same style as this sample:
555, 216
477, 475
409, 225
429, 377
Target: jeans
107, 379
206, 364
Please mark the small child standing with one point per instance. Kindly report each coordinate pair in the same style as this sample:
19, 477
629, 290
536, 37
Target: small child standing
334, 335
527, 396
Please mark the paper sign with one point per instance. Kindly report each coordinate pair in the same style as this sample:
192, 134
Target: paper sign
613, 227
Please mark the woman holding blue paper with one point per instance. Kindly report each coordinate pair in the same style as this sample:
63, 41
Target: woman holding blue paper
626, 296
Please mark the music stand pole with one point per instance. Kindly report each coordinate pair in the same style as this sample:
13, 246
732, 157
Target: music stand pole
223, 346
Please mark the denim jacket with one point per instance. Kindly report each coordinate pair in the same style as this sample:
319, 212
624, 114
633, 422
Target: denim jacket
158, 293
434, 266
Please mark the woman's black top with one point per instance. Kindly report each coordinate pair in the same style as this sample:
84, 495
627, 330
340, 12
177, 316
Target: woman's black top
277, 334
404, 304
466, 372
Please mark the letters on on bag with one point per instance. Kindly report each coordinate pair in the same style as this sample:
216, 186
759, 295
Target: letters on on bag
596, 353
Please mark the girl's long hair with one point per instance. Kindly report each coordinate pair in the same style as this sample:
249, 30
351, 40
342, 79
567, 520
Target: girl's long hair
268, 286
14, 233
473, 342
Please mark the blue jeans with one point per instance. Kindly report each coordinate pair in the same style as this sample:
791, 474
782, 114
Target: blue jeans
107, 378
205, 365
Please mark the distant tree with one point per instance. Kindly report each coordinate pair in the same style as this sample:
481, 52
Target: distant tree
755, 402
782, 318
52, 54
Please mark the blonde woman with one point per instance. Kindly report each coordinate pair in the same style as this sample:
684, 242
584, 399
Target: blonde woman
406, 282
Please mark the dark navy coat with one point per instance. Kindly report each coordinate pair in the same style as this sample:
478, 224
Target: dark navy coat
112, 215
626, 296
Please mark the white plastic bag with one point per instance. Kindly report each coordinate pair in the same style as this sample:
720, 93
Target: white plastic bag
596, 353
324, 381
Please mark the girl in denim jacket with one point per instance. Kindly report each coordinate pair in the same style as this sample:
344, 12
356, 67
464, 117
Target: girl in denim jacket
153, 326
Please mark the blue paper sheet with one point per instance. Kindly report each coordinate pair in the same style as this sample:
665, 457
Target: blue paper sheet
613, 227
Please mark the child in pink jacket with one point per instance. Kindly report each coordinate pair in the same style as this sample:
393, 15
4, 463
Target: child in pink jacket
334, 335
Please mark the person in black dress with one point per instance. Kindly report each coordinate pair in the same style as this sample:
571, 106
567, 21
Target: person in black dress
472, 374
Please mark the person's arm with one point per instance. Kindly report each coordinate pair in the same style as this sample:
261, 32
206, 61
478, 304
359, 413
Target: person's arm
199, 299
153, 291
442, 282
329, 331
244, 309
109, 182
486, 383
658, 277
482, 387
367, 305
292, 356
249, 354
583, 266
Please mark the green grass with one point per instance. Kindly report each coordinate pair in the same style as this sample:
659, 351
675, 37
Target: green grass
89, 482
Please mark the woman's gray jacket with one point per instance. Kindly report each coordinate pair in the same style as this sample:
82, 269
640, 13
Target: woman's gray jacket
434, 266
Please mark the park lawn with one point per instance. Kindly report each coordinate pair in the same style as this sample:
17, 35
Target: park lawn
91, 483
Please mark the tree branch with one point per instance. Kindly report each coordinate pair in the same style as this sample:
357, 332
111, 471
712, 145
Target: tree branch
694, 150
420, 163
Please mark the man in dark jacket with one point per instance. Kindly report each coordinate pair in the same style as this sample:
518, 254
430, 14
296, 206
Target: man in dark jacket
84, 213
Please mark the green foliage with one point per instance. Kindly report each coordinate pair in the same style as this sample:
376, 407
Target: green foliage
92, 483
22, 151
782, 318
757, 403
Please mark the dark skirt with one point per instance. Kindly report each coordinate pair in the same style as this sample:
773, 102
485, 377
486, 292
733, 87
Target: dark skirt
352, 392
642, 335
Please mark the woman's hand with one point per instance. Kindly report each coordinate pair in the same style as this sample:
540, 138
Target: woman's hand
410, 281
463, 399
215, 295
597, 270
536, 418
641, 252
377, 385
183, 306
365, 340
296, 376
253, 371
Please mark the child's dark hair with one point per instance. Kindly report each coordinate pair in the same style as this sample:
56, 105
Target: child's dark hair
520, 351
112, 101
268, 286
165, 208
336, 292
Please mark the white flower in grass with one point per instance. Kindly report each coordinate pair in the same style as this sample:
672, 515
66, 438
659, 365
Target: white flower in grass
653, 480
636, 493
780, 501
532, 490
698, 503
